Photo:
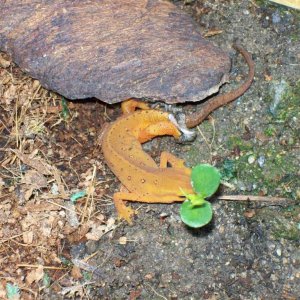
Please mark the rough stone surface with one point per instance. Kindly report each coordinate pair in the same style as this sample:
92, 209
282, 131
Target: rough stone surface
112, 50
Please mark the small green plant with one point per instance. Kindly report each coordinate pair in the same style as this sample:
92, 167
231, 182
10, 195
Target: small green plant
65, 113
12, 291
195, 211
46, 280
74, 197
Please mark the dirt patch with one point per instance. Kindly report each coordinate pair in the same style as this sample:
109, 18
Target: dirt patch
53, 248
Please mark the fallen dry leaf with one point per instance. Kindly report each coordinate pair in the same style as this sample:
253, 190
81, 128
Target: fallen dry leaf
261, 137
40, 165
123, 240
2, 291
2, 183
35, 275
46, 226
268, 77
36, 163
71, 214
9, 94
28, 237
76, 273
135, 294
98, 230
27, 195
250, 213
77, 290
75, 236
43, 206
3, 62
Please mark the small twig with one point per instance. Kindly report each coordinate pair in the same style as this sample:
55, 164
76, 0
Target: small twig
89, 203
12, 237
80, 144
209, 145
44, 267
155, 292
252, 198
203, 136
91, 256
228, 184
62, 206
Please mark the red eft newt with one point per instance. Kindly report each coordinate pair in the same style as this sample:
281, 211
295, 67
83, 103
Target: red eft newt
142, 180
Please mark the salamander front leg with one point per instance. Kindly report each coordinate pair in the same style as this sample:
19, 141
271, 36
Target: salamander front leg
124, 212
131, 105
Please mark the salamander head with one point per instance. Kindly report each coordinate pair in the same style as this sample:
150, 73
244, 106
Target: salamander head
187, 134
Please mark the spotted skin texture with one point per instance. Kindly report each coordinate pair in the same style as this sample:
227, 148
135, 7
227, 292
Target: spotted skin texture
142, 180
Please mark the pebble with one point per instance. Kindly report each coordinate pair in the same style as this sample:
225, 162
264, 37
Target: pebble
241, 185
78, 250
54, 189
278, 251
271, 246
261, 161
279, 89
251, 159
276, 17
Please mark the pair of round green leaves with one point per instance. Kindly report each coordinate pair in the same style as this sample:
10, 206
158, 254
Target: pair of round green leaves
196, 211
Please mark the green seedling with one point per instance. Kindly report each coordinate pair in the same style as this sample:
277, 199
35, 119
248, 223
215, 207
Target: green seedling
12, 291
65, 113
74, 197
46, 280
195, 211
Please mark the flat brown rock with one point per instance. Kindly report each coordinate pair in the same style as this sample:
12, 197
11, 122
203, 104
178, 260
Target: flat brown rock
112, 50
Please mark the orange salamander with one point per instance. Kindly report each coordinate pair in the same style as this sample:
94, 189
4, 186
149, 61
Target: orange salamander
142, 180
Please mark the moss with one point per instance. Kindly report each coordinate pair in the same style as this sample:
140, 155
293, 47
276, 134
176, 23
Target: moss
277, 175
285, 117
263, 3
270, 131
283, 222
289, 106
271, 178
295, 37
236, 141
228, 169
274, 165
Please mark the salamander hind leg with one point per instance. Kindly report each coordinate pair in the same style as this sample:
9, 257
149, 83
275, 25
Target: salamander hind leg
174, 161
131, 105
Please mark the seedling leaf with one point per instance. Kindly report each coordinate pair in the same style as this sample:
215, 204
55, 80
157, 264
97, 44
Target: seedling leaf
196, 215
205, 179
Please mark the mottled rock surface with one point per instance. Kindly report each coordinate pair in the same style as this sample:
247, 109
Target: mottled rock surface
112, 50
